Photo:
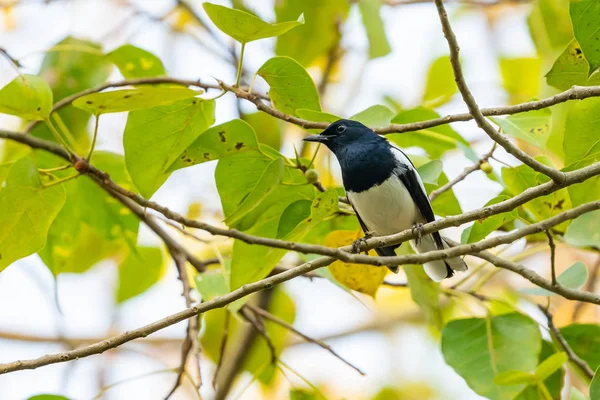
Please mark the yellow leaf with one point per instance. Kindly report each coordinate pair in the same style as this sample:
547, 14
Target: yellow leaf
360, 277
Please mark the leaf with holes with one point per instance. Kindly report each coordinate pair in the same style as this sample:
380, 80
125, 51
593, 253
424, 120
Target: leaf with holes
27, 210
245, 27
291, 87
133, 99
217, 142
156, 137
27, 97
571, 68
534, 127
585, 15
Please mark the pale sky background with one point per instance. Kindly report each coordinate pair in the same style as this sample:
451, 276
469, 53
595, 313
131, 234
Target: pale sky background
405, 354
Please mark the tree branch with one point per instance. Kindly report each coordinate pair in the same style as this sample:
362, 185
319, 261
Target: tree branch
556, 175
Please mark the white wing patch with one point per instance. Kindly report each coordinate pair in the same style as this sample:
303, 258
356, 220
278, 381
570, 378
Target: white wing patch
404, 160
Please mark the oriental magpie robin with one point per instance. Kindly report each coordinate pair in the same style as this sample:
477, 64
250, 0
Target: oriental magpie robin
385, 190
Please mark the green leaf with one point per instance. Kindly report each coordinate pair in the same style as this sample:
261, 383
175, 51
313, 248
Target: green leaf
374, 117
291, 87
211, 284
584, 340
479, 349
550, 365
512, 377
521, 78
583, 132
583, 230
378, 42
483, 227
585, 15
48, 397
269, 130
143, 267
430, 172
534, 127
521, 178
571, 68
323, 206
446, 203
550, 26
72, 66
28, 97
156, 137
268, 181
595, 386
573, 277
133, 99
27, 210
423, 290
134, 62
78, 238
217, 142
293, 215
298, 394
245, 27
440, 85
435, 141
235, 177
315, 39
4, 168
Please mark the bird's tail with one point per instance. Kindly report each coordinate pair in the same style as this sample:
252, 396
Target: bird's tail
439, 269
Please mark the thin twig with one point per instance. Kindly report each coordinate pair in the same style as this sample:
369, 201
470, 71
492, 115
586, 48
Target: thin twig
574, 358
556, 175
552, 256
265, 314
466, 172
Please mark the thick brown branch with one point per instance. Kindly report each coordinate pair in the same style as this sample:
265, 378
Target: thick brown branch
556, 175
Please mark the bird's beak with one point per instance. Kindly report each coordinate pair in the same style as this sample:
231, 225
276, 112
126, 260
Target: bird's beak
316, 138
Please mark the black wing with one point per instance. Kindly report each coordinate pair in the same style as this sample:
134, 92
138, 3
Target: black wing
406, 171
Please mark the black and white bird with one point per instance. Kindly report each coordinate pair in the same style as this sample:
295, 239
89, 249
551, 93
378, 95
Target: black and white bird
385, 190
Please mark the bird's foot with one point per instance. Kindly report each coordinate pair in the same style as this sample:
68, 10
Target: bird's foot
417, 230
359, 242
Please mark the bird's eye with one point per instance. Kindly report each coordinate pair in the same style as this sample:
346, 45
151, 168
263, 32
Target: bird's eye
341, 129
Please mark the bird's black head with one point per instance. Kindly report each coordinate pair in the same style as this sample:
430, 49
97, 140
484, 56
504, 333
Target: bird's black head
343, 133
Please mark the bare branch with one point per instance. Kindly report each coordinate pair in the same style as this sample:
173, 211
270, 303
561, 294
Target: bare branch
265, 314
466, 172
556, 175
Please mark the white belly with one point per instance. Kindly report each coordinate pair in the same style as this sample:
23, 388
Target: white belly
386, 209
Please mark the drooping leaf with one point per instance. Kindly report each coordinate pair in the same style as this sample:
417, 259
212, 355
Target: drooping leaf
28, 97
78, 238
479, 349
374, 117
532, 126
315, 39
378, 42
142, 268
27, 210
291, 87
435, 141
235, 177
584, 340
72, 66
571, 68
270, 178
585, 15
219, 141
483, 227
360, 277
245, 27
133, 99
440, 85
134, 62
521, 78
583, 230
573, 277
156, 137
582, 132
